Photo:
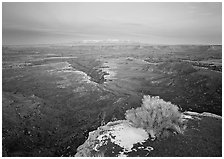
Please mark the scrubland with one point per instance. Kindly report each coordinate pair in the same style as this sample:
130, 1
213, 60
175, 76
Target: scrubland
54, 95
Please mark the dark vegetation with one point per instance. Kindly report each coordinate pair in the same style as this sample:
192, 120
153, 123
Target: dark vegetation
47, 111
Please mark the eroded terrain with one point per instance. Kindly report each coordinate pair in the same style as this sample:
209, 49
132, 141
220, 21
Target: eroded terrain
53, 96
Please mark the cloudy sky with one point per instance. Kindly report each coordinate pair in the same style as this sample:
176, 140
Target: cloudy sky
155, 23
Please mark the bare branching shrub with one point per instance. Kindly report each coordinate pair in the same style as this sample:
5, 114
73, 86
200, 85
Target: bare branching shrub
156, 116
99, 154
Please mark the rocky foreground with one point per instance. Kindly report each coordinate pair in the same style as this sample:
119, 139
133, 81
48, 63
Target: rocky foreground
121, 139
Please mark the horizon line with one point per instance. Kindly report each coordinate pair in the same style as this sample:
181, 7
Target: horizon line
101, 42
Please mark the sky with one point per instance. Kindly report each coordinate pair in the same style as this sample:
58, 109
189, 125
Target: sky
154, 23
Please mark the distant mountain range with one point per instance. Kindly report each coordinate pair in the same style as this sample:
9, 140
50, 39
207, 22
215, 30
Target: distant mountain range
120, 42
107, 41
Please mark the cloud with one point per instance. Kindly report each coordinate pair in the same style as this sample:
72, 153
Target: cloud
166, 22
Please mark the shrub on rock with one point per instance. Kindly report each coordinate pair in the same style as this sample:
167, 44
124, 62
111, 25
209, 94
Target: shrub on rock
156, 116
